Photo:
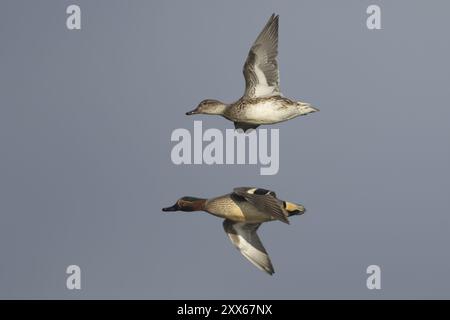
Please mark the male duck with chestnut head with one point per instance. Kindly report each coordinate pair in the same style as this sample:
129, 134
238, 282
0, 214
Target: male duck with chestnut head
244, 210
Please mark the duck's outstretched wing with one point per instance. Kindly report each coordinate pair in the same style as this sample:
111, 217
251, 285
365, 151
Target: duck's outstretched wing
261, 67
264, 200
245, 238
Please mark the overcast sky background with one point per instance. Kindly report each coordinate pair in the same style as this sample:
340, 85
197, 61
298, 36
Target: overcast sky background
85, 124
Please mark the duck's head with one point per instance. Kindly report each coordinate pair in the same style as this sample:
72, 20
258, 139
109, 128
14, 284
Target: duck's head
187, 204
208, 106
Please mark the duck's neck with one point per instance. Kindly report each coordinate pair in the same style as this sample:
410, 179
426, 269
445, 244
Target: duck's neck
217, 109
221, 108
197, 204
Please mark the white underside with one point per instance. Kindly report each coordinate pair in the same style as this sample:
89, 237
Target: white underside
268, 112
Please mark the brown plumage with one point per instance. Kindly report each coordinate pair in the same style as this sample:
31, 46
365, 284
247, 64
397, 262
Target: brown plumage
244, 210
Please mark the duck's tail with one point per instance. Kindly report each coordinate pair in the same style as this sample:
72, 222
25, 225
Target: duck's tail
306, 108
294, 209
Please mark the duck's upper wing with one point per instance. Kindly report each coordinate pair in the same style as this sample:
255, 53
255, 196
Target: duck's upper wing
261, 67
264, 200
245, 238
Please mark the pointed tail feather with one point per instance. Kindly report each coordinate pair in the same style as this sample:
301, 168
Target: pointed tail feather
306, 108
294, 209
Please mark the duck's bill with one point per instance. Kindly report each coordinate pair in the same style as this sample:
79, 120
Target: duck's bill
175, 207
191, 112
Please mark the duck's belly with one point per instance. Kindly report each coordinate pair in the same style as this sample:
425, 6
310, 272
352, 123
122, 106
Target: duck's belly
265, 112
226, 208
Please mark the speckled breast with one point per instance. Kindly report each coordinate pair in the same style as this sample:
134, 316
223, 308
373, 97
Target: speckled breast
263, 111
236, 210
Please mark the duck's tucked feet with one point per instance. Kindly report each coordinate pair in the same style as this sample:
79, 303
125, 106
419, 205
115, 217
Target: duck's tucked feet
245, 126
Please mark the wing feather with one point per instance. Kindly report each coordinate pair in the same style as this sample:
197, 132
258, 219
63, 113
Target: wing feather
246, 240
261, 67
265, 203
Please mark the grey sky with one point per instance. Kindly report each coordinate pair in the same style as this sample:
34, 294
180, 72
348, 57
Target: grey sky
85, 124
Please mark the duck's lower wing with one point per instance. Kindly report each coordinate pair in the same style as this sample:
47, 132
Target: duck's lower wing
245, 126
245, 238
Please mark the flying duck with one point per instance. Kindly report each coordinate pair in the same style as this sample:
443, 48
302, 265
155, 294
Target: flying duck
244, 210
262, 102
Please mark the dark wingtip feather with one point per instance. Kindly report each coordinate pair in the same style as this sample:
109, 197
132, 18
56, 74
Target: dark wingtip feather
273, 19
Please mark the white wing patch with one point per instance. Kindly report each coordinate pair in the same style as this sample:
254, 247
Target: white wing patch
262, 88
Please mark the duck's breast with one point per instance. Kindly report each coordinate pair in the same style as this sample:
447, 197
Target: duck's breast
228, 208
266, 111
